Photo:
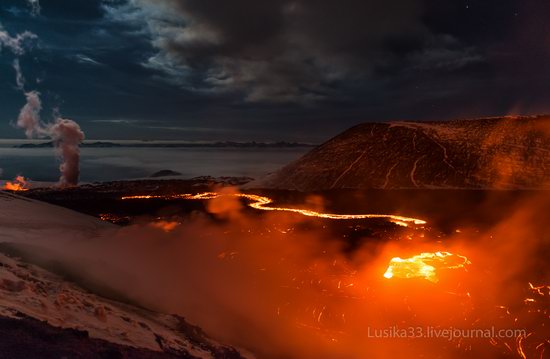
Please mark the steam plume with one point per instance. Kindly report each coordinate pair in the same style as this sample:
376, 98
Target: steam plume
20, 80
65, 134
29, 117
67, 137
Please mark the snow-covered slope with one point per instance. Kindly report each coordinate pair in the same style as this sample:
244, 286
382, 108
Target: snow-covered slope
491, 153
27, 290
23, 220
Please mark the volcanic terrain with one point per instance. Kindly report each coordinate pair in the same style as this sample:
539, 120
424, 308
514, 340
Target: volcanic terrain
490, 153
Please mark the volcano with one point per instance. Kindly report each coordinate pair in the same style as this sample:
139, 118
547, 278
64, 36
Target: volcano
490, 153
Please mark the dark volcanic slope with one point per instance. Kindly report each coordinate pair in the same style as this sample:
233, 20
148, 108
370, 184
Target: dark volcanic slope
491, 153
29, 338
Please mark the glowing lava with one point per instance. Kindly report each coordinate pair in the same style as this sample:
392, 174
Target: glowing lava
19, 184
424, 265
263, 203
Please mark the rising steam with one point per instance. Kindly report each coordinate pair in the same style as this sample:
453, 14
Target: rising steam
65, 134
29, 116
19, 79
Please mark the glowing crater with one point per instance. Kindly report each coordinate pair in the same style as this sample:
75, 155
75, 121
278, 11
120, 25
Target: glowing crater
424, 265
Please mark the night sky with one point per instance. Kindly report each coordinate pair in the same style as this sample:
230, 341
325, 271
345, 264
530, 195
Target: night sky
299, 70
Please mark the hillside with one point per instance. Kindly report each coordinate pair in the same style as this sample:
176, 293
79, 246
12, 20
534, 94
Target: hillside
490, 153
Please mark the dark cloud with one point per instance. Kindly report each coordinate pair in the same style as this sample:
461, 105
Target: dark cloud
295, 51
273, 70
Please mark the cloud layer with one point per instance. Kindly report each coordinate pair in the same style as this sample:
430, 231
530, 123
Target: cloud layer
289, 51
275, 71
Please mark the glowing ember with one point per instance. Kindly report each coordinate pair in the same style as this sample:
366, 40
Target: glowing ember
19, 184
166, 226
540, 290
113, 218
424, 265
263, 203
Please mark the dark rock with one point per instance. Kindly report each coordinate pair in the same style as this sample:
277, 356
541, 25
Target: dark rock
165, 173
491, 153
29, 338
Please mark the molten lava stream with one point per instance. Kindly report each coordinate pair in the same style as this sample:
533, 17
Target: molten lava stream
263, 203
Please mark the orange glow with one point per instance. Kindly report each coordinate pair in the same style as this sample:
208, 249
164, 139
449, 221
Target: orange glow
263, 203
166, 226
316, 295
424, 265
19, 184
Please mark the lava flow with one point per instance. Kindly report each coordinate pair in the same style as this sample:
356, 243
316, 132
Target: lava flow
424, 265
297, 282
263, 203
19, 184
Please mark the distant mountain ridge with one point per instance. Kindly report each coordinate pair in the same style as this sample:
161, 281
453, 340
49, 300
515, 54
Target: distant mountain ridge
222, 144
487, 153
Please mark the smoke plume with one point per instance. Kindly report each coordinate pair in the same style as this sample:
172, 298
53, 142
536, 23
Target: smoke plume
67, 136
16, 44
19, 79
29, 116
